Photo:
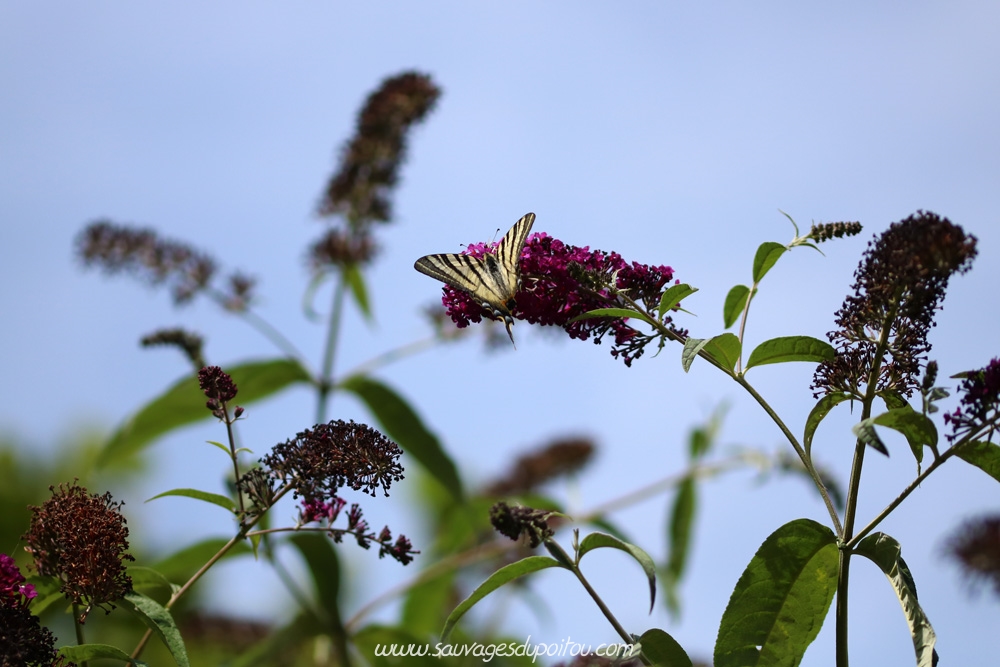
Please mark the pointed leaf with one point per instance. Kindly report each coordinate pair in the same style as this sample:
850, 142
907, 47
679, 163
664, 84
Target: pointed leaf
402, 424
662, 649
692, 346
426, 603
893, 399
984, 455
158, 619
866, 433
324, 567
780, 601
184, 403
504, 575
790, 348
602, 540
84, 652
224, 502
623, 313
180, 565
735, 302
885, 552
767, 254
356, 282
818, 413
917, 427
148, 578
679, 533
673, 296
725, 348
49, 590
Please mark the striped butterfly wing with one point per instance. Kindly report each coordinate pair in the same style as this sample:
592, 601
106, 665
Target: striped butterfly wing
493, 280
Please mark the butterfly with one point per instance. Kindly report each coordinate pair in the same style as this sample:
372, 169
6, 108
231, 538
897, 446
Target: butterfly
494, 279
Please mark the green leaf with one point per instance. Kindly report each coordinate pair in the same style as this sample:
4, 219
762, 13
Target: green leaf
356, 283
224, 502
866, 433
790, 348
602, 540
662, 649
679, 532
736, 301
984, 455
158, 619
324, 567
893, 399
819, 413
692, 346
767, 254
180, 565
184, 403
426, 603
612, 312
84, 652
725, 348
673, 296
917, 427
221, 446
49, 592
780, 601
282, 643
885, 552
147, 577
402, 424
504, 575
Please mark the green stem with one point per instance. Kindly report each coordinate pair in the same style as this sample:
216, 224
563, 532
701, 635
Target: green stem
330, 350
78, 628
238, 537
853, 491
910, 488
806, 460
235, 457
552, 545
264, 327
738, 377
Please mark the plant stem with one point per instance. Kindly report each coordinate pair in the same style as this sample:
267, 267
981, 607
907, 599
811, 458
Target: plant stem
78, 627
853, 491
330, 351
806, 460
239, 536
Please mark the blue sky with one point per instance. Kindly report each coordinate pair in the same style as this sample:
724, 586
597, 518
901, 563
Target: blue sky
669, 132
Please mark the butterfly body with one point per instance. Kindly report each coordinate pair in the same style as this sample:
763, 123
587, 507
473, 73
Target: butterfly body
493, 280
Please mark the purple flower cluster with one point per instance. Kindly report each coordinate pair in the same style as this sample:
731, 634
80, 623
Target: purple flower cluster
560, 282
13, 590
980, 401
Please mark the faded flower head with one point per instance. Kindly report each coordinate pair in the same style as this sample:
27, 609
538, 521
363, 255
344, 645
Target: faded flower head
561, 281
140, 252
342, 248
191, 344
81, 539
530, 471
321, 460
514, 521
980, 402
975, 545
898, 288
219, 388
369, 163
